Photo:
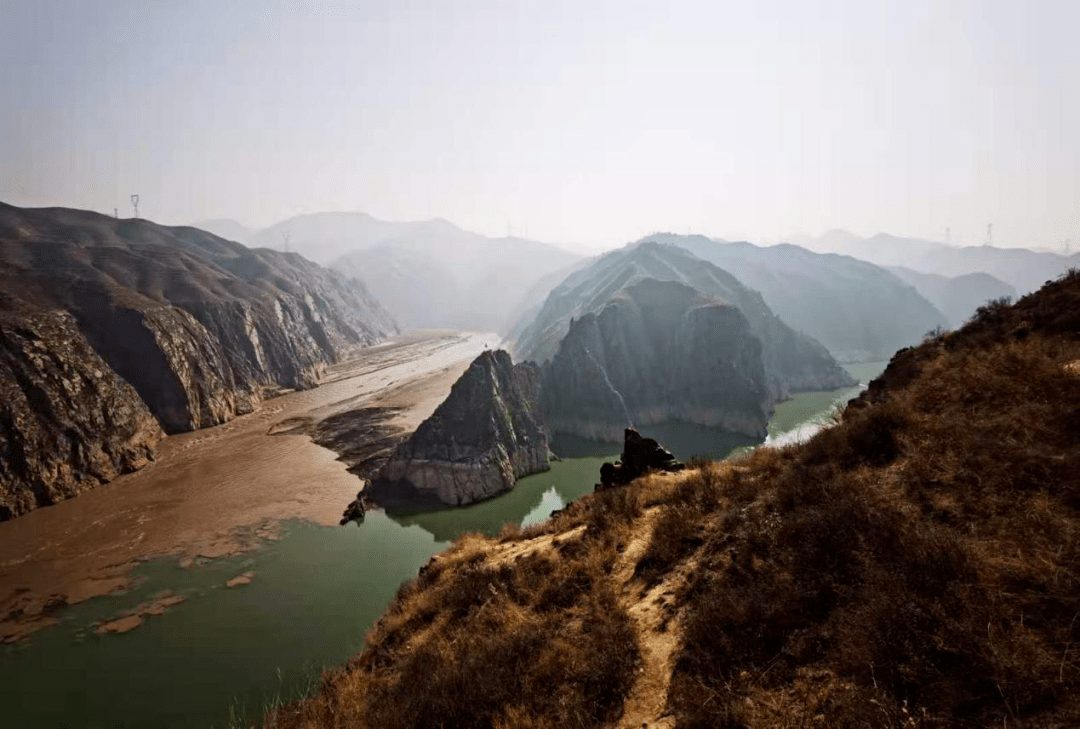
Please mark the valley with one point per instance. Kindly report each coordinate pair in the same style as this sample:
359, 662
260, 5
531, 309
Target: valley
234, 500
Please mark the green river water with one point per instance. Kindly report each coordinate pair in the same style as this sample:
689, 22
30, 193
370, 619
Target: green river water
225, 654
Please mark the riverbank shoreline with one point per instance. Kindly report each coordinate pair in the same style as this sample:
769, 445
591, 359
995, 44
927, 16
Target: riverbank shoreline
219, 491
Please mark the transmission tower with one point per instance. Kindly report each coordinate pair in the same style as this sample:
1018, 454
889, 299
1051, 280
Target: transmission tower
948, 236
287, 234
135, 204
116, 213
989, 233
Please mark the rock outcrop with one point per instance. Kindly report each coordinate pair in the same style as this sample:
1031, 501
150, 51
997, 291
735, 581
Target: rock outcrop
639, 456
185, 328
793, 361
658, 351
68, 422
487, 434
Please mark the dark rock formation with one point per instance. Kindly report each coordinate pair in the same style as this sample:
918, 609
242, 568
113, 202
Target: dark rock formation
793, 361
196, 328
487, 434
658, 351
67, 421
640, 455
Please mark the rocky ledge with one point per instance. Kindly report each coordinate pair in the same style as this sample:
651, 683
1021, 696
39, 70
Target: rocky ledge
485, 436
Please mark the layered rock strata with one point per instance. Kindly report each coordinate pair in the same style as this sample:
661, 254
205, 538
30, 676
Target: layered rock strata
487, 434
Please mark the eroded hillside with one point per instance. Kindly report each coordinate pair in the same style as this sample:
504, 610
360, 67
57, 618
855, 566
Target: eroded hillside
913, 566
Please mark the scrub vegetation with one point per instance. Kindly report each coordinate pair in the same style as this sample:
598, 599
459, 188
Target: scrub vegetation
917, 564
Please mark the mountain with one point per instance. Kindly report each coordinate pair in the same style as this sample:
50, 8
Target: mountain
111, 327
793, 361
860, 311
1023, 269
956, 297
488, 433
429, 273
657, 351
913, 565
226, 228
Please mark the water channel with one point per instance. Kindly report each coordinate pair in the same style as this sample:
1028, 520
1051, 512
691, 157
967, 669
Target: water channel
221, 656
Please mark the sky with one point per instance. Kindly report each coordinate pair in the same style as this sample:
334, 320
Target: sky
588, 124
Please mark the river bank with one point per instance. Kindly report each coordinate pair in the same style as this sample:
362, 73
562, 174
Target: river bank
219, 491
220, 654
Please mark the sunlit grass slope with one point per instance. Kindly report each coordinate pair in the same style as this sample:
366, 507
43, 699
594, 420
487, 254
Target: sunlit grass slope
915, 565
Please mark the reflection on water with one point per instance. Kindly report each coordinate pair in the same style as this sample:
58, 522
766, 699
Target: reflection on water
231, 651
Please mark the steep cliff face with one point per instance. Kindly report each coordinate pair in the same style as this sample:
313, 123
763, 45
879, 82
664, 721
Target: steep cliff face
68, 422
200, 329
793, 361
487, 434
658, 351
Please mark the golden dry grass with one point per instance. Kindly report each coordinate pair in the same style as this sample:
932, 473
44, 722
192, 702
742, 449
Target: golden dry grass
916, 565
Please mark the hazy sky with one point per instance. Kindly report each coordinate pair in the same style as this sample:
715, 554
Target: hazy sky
585, 123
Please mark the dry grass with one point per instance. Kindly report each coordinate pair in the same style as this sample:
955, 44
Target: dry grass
916, 565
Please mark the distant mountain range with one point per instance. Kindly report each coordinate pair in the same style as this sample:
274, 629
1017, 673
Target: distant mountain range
858, 310
1023, 269
429, 273
958, 297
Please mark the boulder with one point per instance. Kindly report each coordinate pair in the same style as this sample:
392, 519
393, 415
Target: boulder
640, 456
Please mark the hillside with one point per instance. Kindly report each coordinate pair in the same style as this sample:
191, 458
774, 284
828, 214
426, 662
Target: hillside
428, 273
793, 361
114, 330
860, 311
957, 297
914, 565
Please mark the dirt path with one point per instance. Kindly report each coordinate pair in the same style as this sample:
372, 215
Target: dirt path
217, 491
645, 706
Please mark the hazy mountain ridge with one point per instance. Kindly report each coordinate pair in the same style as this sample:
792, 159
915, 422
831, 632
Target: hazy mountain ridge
793, 361
428, 273
957, 297
201, 328
1024, 269
860, 311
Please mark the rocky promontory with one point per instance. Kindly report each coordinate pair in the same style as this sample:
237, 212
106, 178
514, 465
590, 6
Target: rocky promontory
186, 329
487, 434
793, 361
658, 351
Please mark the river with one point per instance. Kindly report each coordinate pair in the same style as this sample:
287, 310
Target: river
224, 654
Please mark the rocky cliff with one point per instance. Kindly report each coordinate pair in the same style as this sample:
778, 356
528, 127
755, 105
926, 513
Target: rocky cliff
184, 326
67, 421
487, 434
793, 361
658, 351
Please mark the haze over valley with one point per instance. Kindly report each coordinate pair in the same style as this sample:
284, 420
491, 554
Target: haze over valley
515, 364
